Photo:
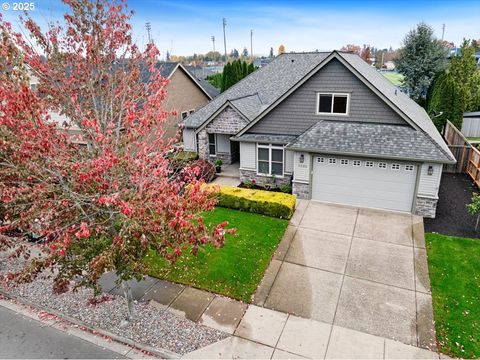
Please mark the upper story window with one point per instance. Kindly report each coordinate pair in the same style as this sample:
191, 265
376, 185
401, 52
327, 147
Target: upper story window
333, 103
184, 115
212, 144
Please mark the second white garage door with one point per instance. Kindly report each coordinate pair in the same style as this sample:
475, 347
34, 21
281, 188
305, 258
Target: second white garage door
363, 182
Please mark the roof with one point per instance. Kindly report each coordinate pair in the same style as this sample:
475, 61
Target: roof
273, 139
209, 88
261, 91
369, 139
264, 84
472, 114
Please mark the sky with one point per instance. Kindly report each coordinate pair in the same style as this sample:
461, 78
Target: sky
186, 27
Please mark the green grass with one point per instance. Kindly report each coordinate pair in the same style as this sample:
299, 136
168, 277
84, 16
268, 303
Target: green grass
235, 269
394, 77
454, 266
473, 138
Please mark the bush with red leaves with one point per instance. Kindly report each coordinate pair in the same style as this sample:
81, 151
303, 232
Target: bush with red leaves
203, 170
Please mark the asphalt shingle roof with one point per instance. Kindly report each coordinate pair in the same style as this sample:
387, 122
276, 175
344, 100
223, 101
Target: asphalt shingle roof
267, 83
369, 139
271, 138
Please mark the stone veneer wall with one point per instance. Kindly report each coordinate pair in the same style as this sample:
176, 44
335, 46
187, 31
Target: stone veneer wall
261, 180
426, 207
202, 139
226, 158
227, 122
301, 190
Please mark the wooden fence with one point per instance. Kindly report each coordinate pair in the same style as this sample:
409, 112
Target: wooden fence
473, 168
460, 148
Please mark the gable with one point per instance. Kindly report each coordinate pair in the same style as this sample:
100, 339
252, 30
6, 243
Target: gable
297, 112
228, 121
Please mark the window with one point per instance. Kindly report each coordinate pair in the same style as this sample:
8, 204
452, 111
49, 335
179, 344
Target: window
270, 159
336, 104
212, 144
382, 165
191, 111
408, 167
344, 162
33, 87
395, 166
320, 160
184, 114
332, 161
357, 163
368, 163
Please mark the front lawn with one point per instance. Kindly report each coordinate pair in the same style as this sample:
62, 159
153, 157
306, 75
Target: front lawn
234, 270
454, 267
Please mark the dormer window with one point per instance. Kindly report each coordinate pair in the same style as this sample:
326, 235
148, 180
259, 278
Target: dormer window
333, 103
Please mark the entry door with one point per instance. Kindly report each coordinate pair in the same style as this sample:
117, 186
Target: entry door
364, 182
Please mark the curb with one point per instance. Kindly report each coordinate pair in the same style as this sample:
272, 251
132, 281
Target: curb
162, 353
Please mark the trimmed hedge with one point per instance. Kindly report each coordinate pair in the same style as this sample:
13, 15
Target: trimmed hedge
269, 203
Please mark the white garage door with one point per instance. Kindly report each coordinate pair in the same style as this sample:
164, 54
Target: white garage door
363, 182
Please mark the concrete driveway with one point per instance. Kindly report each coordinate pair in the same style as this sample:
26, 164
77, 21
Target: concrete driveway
355, 268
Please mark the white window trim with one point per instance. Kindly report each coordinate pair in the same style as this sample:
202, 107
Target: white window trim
191, 111
215, 144
270, 147
331, 113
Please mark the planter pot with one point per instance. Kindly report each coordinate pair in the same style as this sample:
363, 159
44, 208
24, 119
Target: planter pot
218, 169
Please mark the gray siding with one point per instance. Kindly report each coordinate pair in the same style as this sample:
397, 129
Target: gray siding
189, 140
429, 184
298, 111
248, 155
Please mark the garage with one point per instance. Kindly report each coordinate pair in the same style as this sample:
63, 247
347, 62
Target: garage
362, 182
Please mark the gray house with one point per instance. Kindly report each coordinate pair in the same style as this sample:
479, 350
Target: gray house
330, 125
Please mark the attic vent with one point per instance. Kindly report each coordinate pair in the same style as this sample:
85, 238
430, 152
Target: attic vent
293, 60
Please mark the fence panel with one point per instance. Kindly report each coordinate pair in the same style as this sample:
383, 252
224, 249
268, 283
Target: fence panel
460, 148
474, 166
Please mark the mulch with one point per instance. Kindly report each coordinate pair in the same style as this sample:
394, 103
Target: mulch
452, 216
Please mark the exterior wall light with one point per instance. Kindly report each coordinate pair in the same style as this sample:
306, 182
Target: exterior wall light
430, 170
302, 158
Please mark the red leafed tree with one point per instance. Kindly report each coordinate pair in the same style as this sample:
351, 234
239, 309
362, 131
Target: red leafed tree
106, 197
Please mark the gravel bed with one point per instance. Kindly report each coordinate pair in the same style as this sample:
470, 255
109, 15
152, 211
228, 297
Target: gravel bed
154, 327
452, 217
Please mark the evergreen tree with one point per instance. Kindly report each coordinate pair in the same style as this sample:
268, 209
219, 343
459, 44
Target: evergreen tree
271, 56
445, 101
466, 75
245, 53
244, 69
420, 60
225, 74
251, 68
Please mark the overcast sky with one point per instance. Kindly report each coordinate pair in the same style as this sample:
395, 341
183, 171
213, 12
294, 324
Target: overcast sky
185, 27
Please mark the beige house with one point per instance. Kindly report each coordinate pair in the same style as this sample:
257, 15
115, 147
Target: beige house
185, 93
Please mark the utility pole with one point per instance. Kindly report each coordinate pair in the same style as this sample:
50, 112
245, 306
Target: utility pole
149, 27
251, 44
213, 41
443, 31
225, 38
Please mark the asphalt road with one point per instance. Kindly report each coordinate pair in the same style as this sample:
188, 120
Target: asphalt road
22, 337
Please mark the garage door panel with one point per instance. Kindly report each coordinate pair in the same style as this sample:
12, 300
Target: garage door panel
391, 188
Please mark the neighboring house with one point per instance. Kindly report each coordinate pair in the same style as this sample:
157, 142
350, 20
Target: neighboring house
185, 94
471, 124
331, 125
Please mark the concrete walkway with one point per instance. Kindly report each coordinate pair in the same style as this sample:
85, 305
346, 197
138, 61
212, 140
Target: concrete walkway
360, 269
230, 175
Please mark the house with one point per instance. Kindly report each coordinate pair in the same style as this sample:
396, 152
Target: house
185, 94
333, 127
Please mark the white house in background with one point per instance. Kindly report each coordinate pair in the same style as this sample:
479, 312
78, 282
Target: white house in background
333, 127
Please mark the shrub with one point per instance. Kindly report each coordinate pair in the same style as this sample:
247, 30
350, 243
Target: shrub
185, 156
206, 170
269, 203
285, 188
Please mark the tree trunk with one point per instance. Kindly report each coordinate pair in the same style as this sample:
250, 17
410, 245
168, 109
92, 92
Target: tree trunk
127, 291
